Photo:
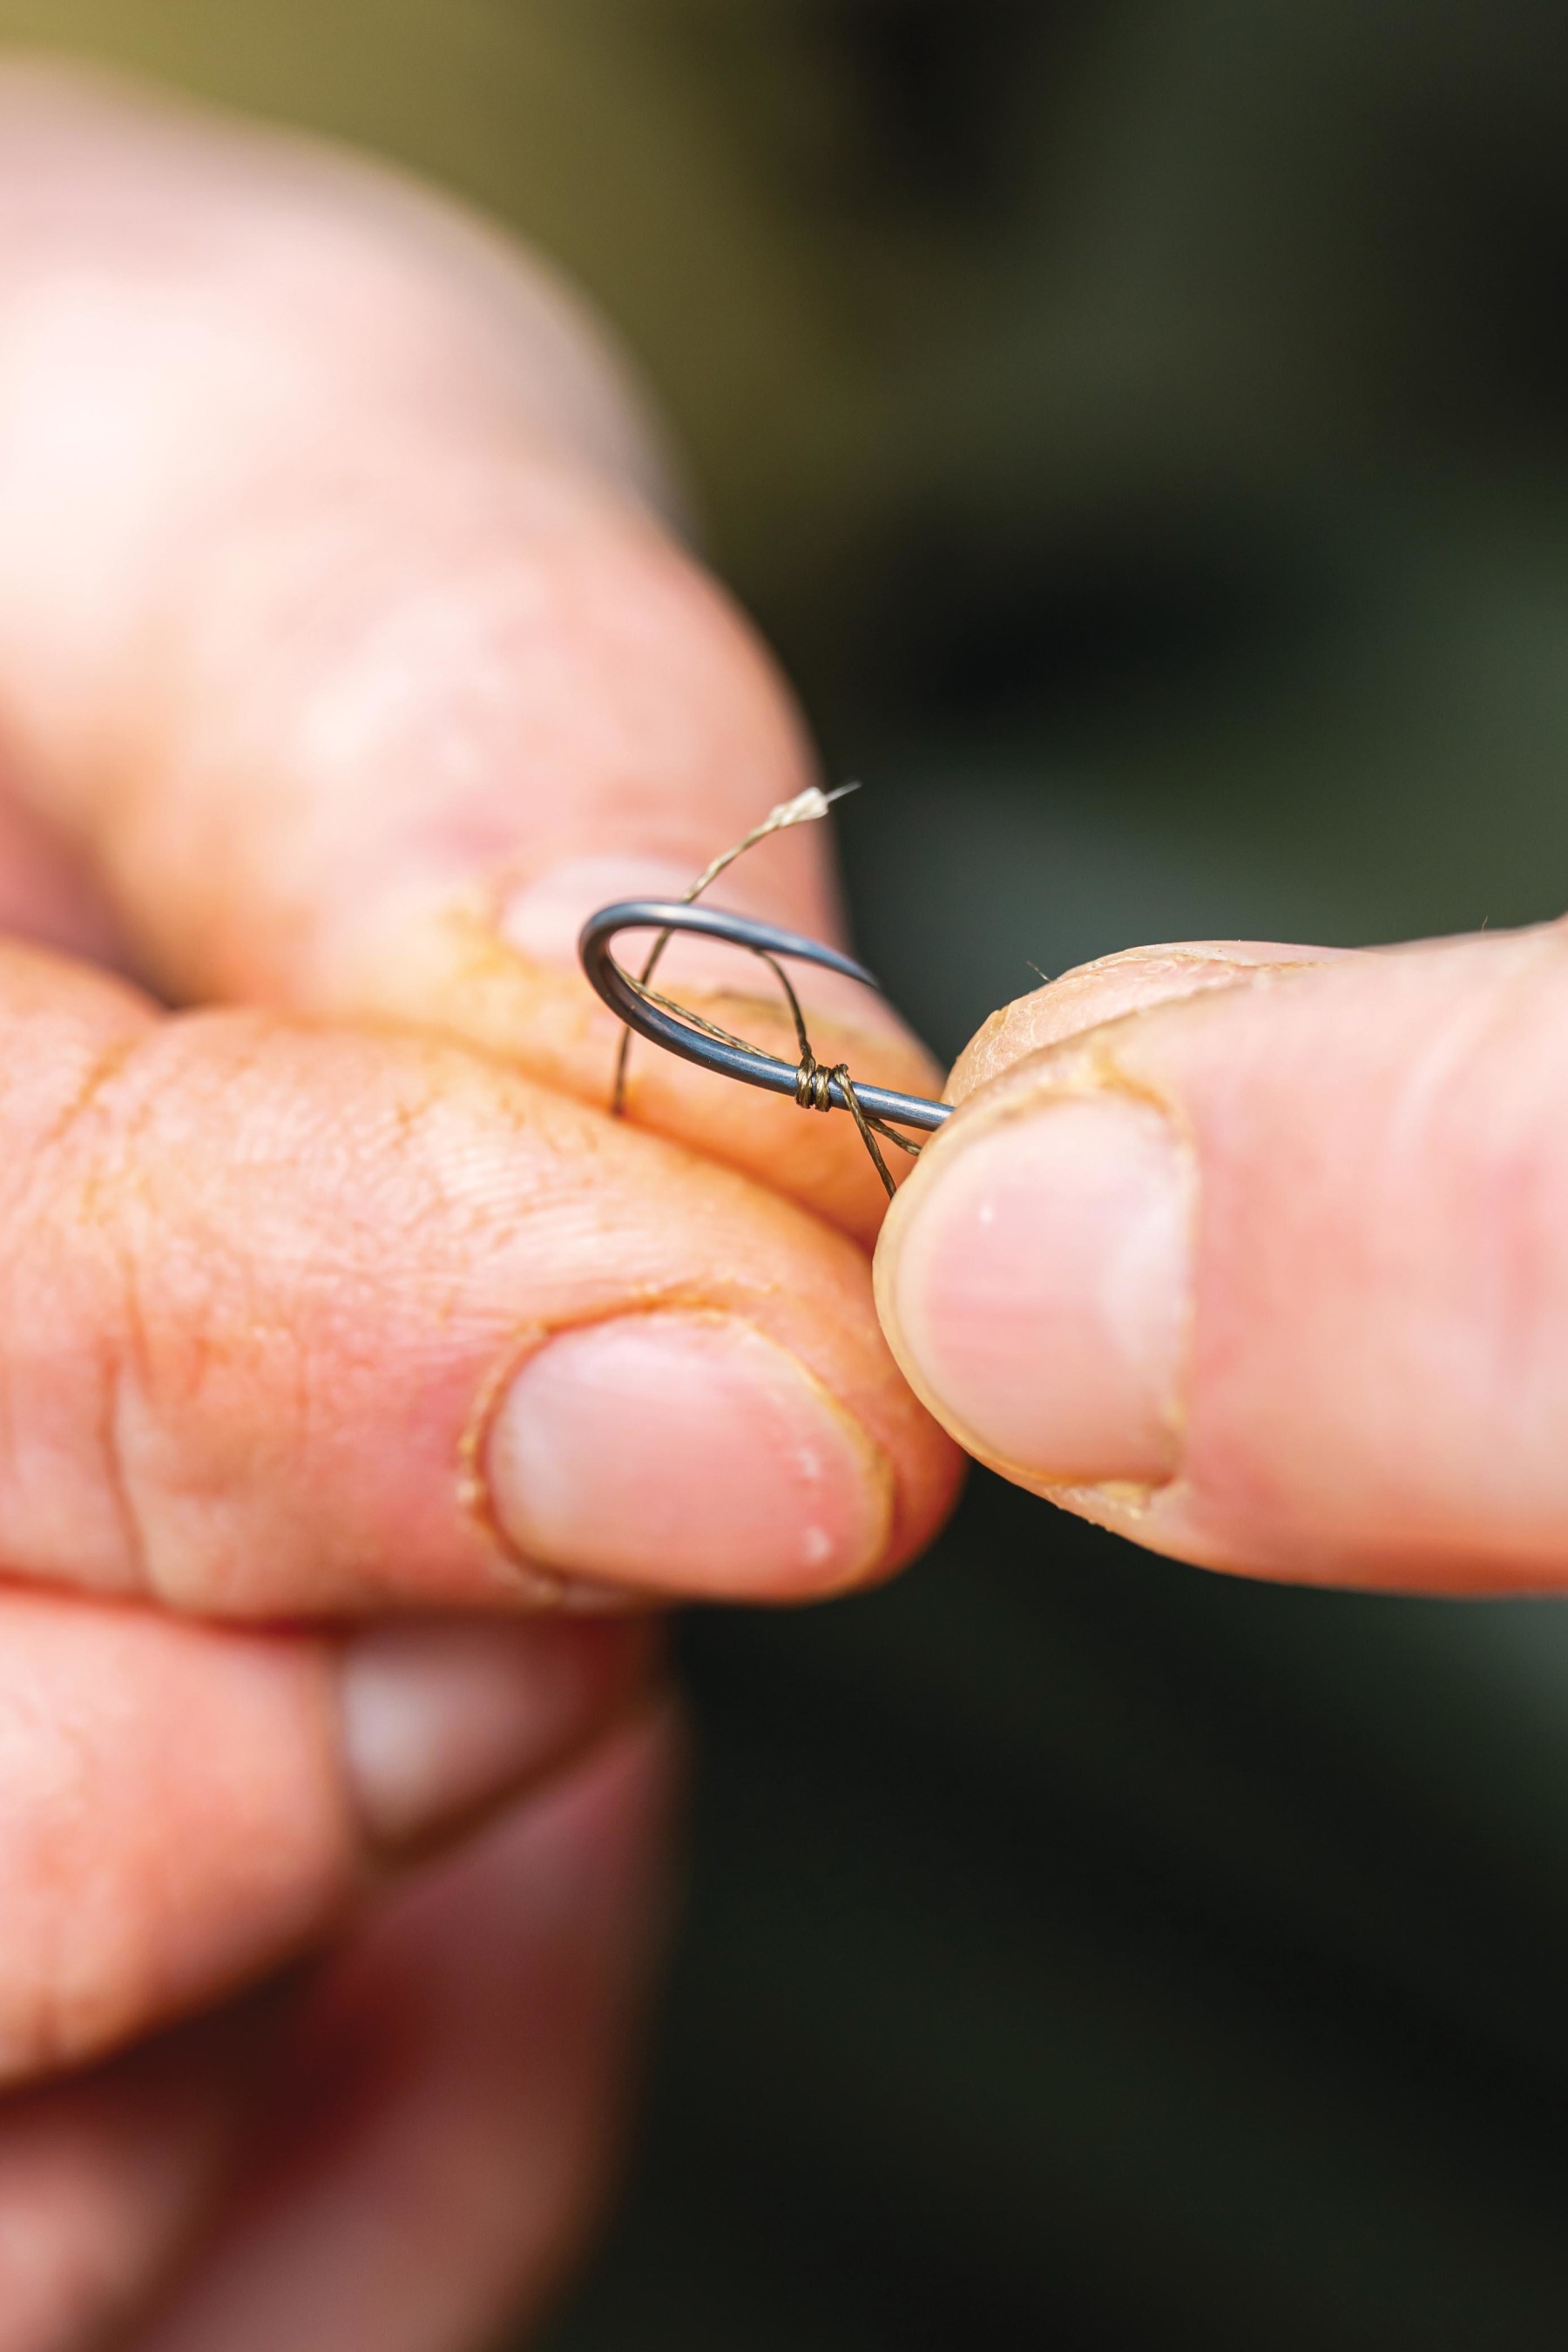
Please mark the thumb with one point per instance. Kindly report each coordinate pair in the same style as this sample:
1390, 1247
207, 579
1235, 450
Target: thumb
1273, 1276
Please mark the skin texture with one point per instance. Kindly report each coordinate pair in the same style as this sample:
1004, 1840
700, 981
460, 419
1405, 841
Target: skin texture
1341, 1361
347, 660
305, 1264
335, 632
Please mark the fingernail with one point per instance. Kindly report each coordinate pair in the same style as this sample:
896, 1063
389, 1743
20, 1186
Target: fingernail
441, 1718
542, 917
685, 1454
1040, 1286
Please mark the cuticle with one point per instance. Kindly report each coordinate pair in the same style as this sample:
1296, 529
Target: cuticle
475, 1501
1129, 1498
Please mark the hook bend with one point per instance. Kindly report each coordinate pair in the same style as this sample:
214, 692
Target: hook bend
729, 1059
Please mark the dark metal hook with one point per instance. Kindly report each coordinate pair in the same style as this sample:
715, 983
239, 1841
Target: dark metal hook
728, 1058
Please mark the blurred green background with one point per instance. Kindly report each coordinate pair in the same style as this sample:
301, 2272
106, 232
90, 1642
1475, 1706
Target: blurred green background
1143, 427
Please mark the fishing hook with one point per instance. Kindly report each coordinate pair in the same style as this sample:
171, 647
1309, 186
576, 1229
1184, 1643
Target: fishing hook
670, 1025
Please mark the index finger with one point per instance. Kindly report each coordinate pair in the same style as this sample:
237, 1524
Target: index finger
335, 617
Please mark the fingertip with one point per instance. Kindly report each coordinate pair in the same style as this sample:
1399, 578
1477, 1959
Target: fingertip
502, 971
1134, 979
442, 1720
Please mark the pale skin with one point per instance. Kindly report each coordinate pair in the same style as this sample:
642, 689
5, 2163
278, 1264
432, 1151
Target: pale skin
1254, 1253
362, 1383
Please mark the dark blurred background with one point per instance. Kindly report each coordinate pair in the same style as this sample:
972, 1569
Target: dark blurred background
1143, 428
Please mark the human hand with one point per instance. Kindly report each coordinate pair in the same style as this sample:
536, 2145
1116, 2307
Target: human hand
344, 666
1258, 1255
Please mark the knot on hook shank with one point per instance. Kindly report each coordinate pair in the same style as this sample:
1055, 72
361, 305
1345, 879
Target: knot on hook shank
878, 1112
814, 1084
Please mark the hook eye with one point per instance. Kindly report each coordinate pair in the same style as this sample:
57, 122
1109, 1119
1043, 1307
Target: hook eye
729, 1060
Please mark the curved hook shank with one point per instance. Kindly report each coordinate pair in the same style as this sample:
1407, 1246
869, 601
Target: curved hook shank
742, 1062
